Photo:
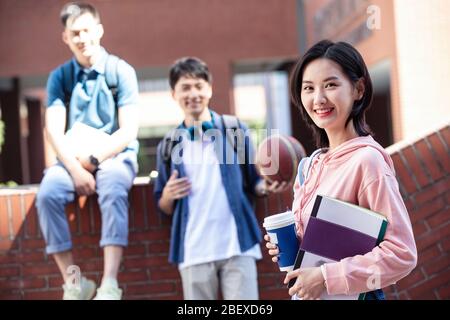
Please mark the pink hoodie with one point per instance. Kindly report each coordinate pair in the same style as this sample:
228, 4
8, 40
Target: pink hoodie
361, 172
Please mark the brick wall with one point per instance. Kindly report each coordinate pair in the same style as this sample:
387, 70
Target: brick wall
26, 272
423, 170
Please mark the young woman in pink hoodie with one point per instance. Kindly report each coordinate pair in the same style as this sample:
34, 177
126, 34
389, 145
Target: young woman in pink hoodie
332, 88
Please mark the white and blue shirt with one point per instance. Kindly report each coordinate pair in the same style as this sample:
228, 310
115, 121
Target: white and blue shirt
211, 232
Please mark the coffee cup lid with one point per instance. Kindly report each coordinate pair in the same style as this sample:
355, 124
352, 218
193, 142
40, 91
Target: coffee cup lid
280, 218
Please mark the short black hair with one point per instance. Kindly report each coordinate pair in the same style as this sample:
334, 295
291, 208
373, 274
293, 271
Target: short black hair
190, 67
353, 66
74, 10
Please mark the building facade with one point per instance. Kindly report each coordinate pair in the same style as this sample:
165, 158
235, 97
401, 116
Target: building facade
402, 41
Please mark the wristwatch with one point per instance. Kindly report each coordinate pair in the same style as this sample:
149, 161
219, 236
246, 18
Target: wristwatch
94, 161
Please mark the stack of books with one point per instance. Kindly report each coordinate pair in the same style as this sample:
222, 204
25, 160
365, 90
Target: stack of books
337, 230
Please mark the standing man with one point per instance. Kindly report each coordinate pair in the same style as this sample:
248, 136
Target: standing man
98, 90
215, 235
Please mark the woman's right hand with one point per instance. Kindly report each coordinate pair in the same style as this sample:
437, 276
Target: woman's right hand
273, 248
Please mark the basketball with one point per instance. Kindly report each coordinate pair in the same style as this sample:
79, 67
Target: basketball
278, 156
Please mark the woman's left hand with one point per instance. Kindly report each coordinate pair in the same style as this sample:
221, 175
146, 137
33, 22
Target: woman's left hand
309, 284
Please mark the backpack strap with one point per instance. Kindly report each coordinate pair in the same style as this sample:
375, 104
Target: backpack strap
301, 165
306, 161
233, 123
111, 76
168, 143
67, 80
67, 84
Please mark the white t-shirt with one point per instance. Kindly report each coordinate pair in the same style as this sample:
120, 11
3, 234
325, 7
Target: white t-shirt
211, 232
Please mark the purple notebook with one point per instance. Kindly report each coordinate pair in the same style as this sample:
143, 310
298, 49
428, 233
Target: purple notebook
334, 241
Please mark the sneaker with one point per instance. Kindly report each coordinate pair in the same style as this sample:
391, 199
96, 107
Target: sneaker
85, 291
109, 290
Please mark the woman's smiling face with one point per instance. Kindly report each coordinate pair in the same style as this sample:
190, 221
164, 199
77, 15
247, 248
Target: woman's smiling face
328, 95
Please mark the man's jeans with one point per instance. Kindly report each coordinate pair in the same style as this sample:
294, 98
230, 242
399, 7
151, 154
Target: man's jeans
113, 182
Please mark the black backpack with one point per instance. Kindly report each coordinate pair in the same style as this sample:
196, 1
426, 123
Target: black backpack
228, 122
111, 77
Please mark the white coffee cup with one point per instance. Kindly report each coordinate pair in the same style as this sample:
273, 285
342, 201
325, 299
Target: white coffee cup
281, 230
